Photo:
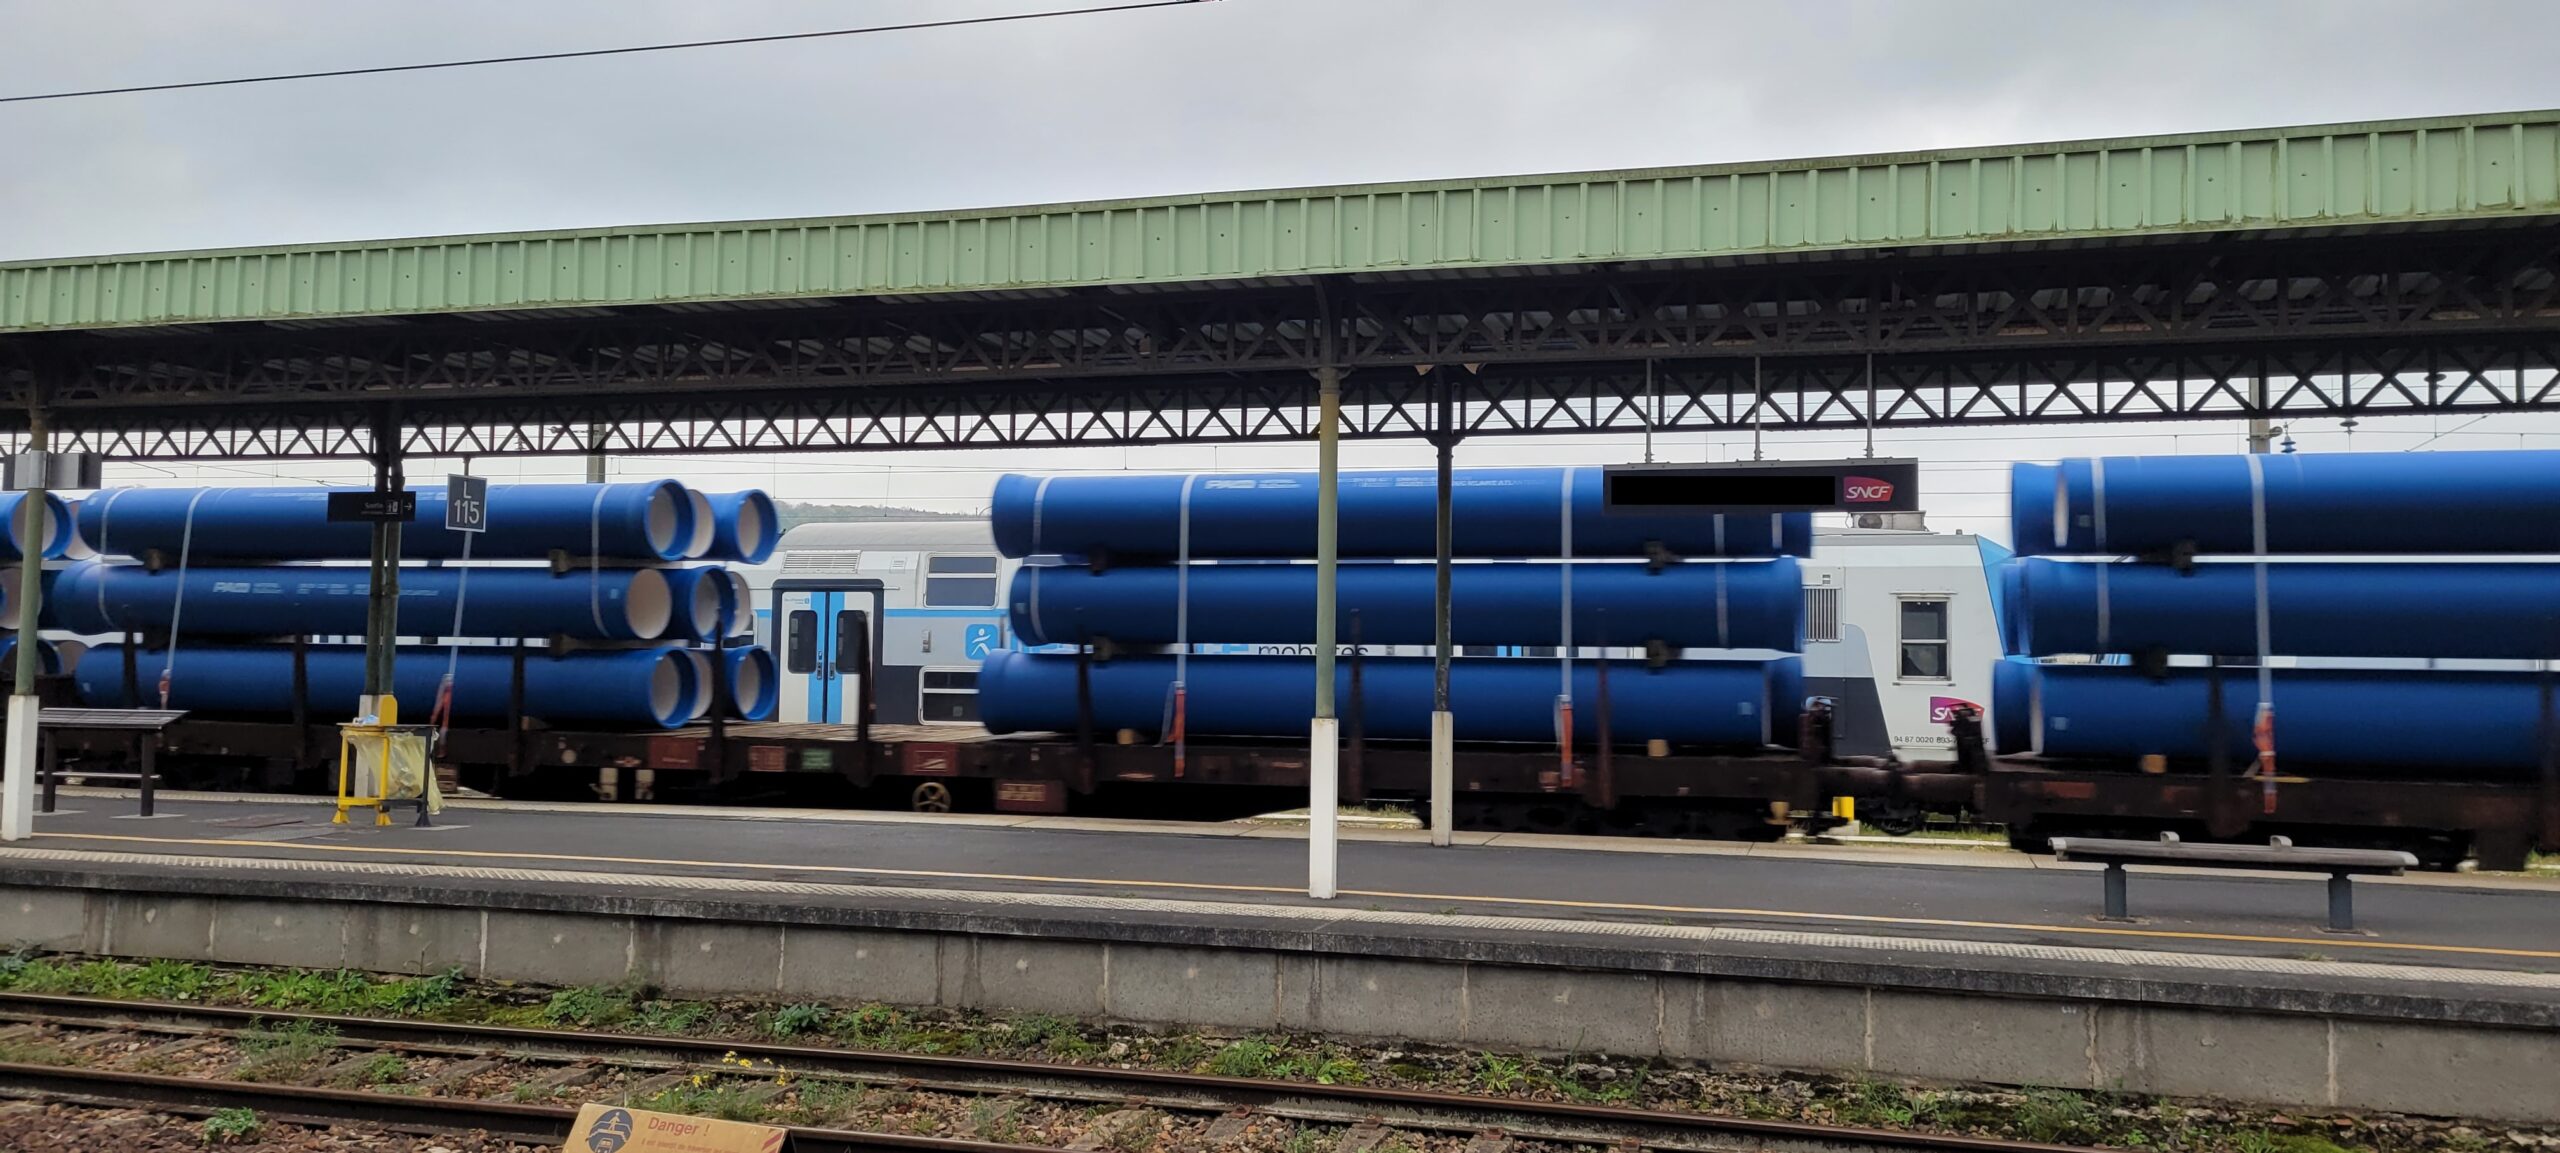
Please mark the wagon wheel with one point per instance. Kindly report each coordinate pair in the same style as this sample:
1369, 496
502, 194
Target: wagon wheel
931, 797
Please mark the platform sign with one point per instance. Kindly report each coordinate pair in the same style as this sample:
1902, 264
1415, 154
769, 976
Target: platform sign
614, 1129
466, 503
367, 504
1867, 485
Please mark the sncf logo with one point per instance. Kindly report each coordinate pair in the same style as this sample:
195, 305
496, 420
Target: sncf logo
1943, 709
1865, 490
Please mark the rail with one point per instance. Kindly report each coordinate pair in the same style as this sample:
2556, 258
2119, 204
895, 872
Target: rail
1446, 1114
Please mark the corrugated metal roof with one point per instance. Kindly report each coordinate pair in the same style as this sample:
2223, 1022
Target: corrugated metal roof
2389, 173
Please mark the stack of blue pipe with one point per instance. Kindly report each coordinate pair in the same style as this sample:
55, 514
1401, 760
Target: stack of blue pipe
231, 570
2370, 558
1119, 540
58, 540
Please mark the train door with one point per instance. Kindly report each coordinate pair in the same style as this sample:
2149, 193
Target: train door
822, 676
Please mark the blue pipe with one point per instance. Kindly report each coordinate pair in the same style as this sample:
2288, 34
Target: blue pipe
56, 527
627, 687
1497, 512
650, 520
48, 658
2032, 491
2328, 503
1716, 604
2457, 724
704, 600
745, 526
754, 681
1724, 703
321, 600
2315, 609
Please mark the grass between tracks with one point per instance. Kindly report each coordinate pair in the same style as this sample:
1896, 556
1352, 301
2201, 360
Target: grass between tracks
757, 1091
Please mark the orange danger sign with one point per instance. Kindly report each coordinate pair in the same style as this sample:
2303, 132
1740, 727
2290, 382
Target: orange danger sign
614, 1129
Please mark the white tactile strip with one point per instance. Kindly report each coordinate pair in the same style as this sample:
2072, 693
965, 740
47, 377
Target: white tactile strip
2147, 959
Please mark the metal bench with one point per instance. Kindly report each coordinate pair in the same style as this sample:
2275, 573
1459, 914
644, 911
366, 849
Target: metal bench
2277, 853
143, 726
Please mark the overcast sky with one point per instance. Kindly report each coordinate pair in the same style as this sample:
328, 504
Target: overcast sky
1223, 94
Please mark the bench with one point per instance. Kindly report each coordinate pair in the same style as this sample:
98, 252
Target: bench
2277, 853
143, 726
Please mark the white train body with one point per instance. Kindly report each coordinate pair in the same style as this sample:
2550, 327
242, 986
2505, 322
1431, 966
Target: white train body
1899, 624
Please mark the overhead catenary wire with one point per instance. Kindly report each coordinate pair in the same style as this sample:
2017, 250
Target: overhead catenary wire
576, 54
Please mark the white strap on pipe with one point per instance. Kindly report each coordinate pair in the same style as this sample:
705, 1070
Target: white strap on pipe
595, 563
2098, 501
178, 600
1777, 532
461, 586
1039, 494
1724, 620
1719, 534
2258, 542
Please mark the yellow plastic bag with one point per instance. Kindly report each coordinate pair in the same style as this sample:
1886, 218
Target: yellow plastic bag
409, 775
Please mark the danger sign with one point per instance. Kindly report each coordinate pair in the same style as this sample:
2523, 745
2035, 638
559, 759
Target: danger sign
615, 1129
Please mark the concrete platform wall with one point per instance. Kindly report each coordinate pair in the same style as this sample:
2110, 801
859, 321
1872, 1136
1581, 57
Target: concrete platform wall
2284, 1058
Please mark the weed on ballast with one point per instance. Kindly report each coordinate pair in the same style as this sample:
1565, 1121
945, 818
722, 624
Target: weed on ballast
1250, 1057
590, 1007
284, 1054
794, 1020
379, 1069
230, 1125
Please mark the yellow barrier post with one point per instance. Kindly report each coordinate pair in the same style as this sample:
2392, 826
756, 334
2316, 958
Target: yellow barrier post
350, 734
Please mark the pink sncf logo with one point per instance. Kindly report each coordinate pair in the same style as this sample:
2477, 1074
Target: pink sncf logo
1865, 490
1943, 709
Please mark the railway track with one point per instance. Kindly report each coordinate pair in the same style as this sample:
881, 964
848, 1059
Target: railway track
111, 1046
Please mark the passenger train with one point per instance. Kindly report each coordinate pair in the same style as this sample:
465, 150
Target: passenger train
1901, 625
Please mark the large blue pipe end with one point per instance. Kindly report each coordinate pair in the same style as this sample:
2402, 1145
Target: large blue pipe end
754, 683
55, 533
745, 526
2013, 690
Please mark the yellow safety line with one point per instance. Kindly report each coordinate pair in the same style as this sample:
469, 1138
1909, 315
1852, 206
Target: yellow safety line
1204, 886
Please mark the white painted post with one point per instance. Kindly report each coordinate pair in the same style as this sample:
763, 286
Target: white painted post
1444, 776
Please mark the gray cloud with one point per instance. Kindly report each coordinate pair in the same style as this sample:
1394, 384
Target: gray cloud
1229, 94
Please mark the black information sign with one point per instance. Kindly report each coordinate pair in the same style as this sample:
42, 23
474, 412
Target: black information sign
366, 504
1869, 485
466, 503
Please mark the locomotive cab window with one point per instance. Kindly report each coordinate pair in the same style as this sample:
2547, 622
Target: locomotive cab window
1924, 639
960, 582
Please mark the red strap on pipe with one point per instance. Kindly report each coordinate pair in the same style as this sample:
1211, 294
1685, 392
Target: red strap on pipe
164, 687
1179, 693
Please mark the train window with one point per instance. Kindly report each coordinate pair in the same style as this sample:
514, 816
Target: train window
947, 697
1821, 614
960, 582
1924, 640
800, 647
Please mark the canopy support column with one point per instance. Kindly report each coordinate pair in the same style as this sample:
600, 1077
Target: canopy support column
18, 799
382, 586
1444, 769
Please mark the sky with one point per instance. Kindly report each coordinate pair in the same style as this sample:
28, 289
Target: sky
1223, 94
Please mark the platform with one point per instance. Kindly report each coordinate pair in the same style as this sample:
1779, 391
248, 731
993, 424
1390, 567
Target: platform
1954, 964
1942, 895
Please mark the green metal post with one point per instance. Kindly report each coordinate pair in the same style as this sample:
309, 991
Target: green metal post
1324, 786
382, 617
18, 803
